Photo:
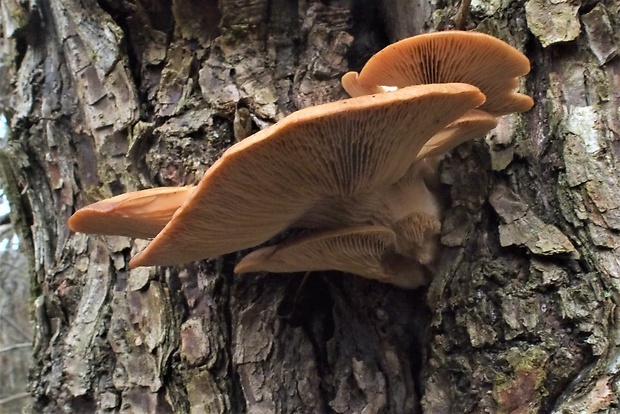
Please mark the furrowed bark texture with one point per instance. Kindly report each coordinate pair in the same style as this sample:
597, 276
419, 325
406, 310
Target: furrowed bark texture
524, 310
112, 96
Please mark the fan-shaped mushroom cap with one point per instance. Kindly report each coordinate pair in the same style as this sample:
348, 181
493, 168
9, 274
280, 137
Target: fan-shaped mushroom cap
367, 251
474, 123
140, 214
328, 152
452, 56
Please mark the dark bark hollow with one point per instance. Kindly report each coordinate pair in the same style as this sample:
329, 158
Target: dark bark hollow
106, 97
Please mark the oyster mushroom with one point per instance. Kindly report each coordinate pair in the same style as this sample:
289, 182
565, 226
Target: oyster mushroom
306, 167
451, 56
353, 172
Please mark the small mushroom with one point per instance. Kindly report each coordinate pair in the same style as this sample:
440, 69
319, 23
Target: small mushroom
452, 56
140, 214
367, 251
351, 85
314, 160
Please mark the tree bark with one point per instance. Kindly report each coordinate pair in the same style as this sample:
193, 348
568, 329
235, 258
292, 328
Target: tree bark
111, 96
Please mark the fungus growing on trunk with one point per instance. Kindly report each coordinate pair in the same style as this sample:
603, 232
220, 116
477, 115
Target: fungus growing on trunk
315, 160
353, 173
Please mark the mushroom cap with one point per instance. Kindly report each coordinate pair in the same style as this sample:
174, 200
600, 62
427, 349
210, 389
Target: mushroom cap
452, 56
366, 251
473, 124
265, 183
141, 214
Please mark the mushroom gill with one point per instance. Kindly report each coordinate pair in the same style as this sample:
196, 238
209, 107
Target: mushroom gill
366, 251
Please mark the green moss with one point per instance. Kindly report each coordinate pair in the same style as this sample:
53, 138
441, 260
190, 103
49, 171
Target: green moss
521, 384
526, 360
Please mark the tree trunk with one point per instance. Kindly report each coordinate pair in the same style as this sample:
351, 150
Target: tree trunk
111, 96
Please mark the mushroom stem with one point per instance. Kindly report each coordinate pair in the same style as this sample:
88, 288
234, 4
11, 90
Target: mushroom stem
410, 195
417, 236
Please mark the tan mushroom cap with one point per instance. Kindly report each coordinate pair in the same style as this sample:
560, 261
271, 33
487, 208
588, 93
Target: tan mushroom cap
140, 214
316, 156
473, 124
452, 56
366, 251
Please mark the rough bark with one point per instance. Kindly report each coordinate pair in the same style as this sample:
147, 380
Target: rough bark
111, 96
524, 311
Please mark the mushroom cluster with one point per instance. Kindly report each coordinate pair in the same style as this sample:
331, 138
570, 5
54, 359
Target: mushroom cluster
354, 174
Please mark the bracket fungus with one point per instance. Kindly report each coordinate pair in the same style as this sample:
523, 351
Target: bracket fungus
353, 173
